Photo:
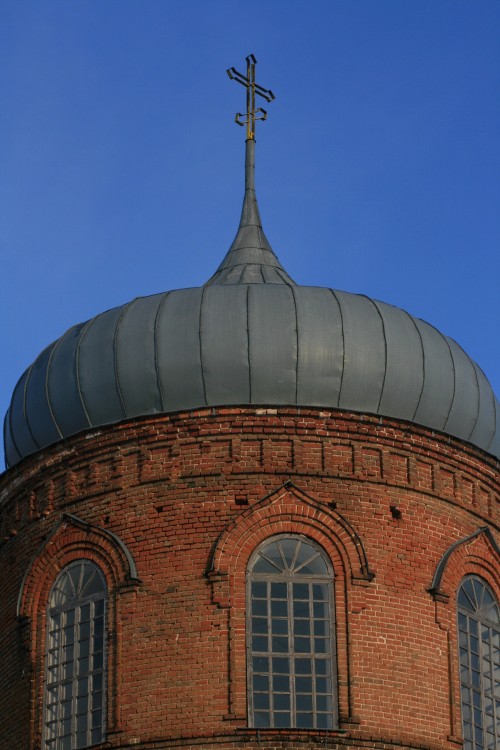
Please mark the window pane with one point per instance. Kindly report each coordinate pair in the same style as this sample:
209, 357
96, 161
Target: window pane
264, 566
259, 643
314, 566
281, 702
289, 549
281, 665
320, 609
259, 590
279, 644
260, 664
96, 700
303, 666
324, 720
302, 627
260, 701
84, 631
260, 682
281, 683
300, 608
302, 645
259, 607
278, 591
303, 684
279, 627
282, 720
300, 591
279, 608
81, 723
321, 592
82, 704
323, 703
259, 625
305, 721
304, 702
262, 719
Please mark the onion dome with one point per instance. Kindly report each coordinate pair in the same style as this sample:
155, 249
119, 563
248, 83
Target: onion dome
250, 336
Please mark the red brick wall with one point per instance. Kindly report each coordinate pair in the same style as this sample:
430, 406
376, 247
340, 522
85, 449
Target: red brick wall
189, 497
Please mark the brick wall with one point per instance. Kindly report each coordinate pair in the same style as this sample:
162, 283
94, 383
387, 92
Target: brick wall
171, 509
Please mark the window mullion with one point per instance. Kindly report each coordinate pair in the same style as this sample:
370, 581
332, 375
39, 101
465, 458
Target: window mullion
74, 674
269, 652
291, 652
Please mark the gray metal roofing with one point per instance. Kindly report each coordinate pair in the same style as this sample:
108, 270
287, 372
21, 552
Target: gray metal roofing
243, 344
250, 335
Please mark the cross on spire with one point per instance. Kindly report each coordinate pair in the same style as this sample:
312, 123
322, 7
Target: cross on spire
253, 89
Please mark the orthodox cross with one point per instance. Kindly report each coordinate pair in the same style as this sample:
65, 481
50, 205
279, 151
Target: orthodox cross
253, 89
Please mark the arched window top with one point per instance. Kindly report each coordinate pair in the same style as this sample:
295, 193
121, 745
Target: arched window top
295, 556
81, 580
476, 598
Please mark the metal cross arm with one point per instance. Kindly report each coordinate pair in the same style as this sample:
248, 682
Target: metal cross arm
266, 94
239, 115
253, 90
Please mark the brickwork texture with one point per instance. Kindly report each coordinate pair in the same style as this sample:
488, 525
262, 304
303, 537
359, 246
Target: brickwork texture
172, 507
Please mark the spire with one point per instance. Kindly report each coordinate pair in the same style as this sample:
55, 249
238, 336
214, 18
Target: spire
250, 259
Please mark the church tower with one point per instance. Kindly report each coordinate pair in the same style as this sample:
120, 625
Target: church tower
251, 515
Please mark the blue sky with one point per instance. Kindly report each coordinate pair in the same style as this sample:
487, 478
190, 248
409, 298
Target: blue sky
378, 170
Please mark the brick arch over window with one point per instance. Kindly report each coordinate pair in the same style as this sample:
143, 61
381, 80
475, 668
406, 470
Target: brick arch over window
287, 510
73, 539
479, 548
477, 554
290, 505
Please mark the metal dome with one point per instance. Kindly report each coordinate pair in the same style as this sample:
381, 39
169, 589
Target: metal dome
250, 336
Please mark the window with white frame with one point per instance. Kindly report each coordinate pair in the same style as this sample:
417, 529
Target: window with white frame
479, 646
75, 671
291, 635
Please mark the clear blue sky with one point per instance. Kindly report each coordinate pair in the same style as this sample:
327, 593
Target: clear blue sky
121, 168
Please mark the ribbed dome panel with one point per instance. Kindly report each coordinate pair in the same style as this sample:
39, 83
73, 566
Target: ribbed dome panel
139, 316
96, 364
403, 343
365, 354
63, 385
37, 406
320, 338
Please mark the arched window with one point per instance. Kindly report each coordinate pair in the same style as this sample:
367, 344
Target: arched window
75, 659
290, 636
479, 643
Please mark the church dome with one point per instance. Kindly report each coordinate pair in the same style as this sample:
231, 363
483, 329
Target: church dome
250, 336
